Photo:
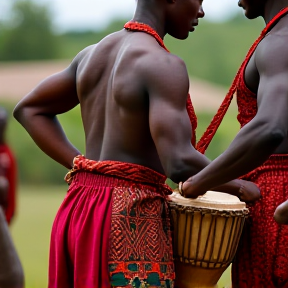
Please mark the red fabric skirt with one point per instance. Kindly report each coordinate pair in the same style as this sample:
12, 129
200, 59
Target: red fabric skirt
262, 256
112, 231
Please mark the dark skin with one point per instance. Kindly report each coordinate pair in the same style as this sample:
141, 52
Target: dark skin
266, 134
131, 92
4, 185
281, 213
11, 271
3, 124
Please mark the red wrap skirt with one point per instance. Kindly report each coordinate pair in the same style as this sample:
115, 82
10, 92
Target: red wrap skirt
112, 229
262, 257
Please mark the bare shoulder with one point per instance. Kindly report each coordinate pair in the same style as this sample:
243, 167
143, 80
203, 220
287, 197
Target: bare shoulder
272, 53
163, 62
163, 68
82, 54
104, 45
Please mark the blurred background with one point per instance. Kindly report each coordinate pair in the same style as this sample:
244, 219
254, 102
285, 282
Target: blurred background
39, 38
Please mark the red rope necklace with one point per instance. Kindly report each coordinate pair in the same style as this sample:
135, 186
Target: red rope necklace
141, 27
208, 135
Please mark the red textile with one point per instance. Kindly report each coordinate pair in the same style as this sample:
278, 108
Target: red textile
112, 229
247, 103
136, 26
262, 257
7, 161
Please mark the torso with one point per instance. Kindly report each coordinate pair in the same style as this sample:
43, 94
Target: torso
249, 81
113, 99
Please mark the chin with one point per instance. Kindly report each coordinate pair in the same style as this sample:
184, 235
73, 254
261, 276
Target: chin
250, 15
180, 36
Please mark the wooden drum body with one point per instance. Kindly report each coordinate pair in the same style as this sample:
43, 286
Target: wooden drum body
206, 233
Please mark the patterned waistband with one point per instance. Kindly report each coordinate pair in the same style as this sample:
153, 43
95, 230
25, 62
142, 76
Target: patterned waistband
123, 170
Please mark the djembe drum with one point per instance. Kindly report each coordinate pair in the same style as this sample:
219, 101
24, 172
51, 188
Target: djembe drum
206, 233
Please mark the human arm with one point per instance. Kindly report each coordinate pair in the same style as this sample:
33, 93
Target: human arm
11, 271
258, 139
281, 213
170, 127
167, 83
37, 112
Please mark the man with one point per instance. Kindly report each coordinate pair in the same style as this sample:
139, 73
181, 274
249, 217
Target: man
262, 95
11, 271
113, 228
8, 164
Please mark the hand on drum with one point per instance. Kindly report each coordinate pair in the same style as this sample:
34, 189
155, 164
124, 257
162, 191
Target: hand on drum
246, 191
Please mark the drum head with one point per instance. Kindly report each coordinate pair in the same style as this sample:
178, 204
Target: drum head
211, 199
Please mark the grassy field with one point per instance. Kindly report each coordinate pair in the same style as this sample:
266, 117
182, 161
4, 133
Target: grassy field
31, 232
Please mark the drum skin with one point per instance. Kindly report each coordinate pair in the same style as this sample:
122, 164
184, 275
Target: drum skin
206, 233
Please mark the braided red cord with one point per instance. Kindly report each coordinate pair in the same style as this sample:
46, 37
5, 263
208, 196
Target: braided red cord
208, 135
136, 26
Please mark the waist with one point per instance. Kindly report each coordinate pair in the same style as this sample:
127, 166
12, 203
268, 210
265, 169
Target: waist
121, 170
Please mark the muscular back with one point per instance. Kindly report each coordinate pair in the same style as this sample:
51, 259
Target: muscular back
132, 95
114, 99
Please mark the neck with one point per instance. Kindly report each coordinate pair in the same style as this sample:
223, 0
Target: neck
273, 7
151, 16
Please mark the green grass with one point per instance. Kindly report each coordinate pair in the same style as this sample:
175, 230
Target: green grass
31, 232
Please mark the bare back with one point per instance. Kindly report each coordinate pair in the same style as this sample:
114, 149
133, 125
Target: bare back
114, 100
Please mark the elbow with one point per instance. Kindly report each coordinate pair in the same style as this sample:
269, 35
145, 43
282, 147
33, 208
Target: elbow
172, 171
272, 136
179, 171
277, 136
23, 112
175, 176
17, 112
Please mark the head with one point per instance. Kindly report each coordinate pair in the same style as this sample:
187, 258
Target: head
253, 8
175, 17
182, 17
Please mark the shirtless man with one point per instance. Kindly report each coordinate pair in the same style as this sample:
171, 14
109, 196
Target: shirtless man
113, 228
262, 96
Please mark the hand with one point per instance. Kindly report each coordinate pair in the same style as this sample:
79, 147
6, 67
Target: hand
189, 189
249, 191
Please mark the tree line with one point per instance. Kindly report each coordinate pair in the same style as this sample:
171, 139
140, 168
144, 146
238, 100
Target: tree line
213, 52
